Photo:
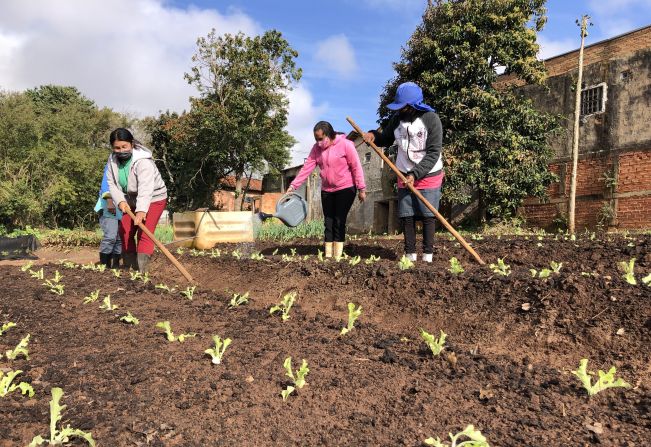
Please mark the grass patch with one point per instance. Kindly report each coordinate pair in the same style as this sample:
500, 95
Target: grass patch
273, 230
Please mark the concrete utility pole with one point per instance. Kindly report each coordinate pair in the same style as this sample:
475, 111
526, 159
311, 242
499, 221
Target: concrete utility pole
577, 116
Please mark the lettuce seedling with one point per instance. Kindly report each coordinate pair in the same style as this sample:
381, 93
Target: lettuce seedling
275, 252
293, 252
189, 292
180, 251
37, 274
238, 299
63, 436
218, 351
90, 266
353, 315
500, 268
116, 273
69, 265
605, 380
556, 266
164, 287
455, 266
20, 349
257, 256
629, 271
236, 254
647, 280
354, 261
27, 266
475, 439
92, 297
285, 305
145, 278
7, 387
106, 304
165, 325
130, 319
5, 327
436, 345
298, 378
100, 268
405, 263
319, 256
372, 259
286, 392
215, 253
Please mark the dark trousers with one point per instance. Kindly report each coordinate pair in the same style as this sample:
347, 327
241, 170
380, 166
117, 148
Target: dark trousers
410, 234
336, 206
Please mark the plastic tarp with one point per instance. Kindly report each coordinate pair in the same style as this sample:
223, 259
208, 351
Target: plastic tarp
21, 247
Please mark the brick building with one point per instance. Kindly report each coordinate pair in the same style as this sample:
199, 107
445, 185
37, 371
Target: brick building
614, 171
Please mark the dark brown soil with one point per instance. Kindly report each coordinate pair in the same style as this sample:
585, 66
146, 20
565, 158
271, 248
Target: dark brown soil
506, 370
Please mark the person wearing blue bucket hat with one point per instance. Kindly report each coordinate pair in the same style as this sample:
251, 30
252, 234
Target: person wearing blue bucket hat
416, 130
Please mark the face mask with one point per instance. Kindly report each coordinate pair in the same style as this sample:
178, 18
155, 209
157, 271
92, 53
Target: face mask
123, 156
323, 144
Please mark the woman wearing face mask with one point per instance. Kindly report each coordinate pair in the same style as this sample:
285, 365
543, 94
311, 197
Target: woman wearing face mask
136, 184
342, 178
417, 130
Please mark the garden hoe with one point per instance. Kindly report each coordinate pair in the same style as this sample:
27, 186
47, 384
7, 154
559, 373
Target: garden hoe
162, 248
419, 195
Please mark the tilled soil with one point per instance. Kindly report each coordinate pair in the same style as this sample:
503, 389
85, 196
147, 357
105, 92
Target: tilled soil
512, 342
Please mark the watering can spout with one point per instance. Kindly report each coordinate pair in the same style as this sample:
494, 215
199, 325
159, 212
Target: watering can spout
291, 210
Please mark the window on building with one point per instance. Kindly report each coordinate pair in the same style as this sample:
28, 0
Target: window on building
593, 99
367, 157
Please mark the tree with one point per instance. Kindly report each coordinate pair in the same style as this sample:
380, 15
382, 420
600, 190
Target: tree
237, 123
495, 141
55, 145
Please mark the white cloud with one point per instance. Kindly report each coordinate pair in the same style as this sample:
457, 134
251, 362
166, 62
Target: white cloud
336, 54
128, 55
303, 115
613, 17
550, 47
407, 6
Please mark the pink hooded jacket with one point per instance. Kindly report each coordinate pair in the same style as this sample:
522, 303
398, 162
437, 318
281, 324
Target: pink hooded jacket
339, 165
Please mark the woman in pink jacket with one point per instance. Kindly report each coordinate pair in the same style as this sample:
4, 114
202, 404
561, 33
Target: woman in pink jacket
342, 178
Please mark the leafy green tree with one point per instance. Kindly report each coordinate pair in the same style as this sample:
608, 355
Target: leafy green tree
54, 148
236, 124
495, 141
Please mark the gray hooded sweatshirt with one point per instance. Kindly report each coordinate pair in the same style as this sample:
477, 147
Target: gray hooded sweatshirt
145, 184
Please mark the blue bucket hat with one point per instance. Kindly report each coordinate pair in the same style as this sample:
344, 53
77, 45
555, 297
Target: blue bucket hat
409, 93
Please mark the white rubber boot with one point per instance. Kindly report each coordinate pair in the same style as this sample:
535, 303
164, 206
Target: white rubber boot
328, 249
412, 257
427, 257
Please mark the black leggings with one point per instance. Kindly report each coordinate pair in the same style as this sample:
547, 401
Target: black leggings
336, 206
410, 234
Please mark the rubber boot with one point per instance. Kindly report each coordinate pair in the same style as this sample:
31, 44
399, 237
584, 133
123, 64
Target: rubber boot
338, 249
427, 257
115, 264
328, 249
105, 259
143, 262
412, 257
130, 261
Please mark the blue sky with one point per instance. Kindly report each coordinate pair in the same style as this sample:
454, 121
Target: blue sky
131, 54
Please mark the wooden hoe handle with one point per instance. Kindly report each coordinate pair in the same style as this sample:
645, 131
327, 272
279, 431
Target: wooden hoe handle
162, 248
417, 193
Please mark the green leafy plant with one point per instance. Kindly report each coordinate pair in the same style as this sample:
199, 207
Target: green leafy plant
275, 252
647, 280
455, 266
500, 268
355, 260
37, 274
27, 266
106, 304
60, 437
236, 254
180, 251
353, 315
165, 325
58, 289
20, 349
436, 345
628, 268
285, 305
217, 353
475, 439
293, 252
319, 256
215, 253
298, 378
372, 259
164, 287
92, 297
6, 326
405, 263
605, 380
116, 273
135, 275
69, 265
129, 319
189, 292
100, 268
90, 266
238, 299
257, 256
145, 278
7, 387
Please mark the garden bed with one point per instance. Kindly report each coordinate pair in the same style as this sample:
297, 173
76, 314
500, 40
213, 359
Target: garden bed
512, 342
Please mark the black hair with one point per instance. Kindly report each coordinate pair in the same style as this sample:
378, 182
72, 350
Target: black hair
121, 134
327, 129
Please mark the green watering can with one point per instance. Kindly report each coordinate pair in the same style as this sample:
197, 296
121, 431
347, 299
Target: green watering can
291, 209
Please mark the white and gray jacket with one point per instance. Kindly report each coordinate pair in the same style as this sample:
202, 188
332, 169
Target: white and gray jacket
144, 185
419, 143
